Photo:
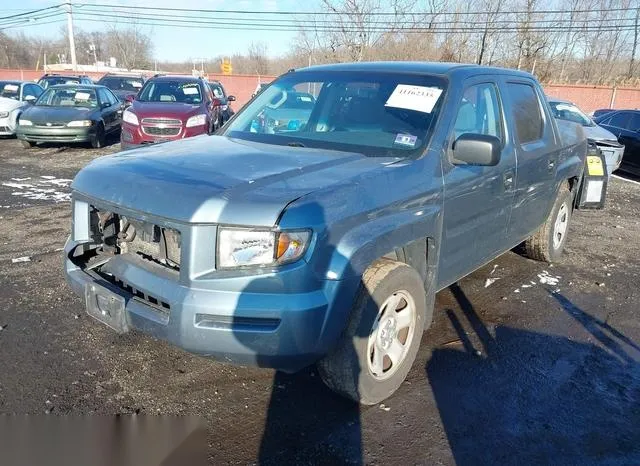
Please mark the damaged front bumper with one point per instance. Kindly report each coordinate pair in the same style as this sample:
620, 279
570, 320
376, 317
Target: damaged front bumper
283, 318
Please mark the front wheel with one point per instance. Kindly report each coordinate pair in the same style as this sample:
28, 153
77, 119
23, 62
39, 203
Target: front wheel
26, 144
377, 349
547, 244
98, 140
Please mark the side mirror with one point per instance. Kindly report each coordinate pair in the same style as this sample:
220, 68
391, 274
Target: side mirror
30, 99
231, 98
476, 149
106, 105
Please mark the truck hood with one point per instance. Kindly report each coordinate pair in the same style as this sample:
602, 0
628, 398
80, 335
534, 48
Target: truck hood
599, 134
215, 179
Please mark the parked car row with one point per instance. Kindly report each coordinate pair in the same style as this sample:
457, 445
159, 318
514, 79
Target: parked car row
70, 109
615, 132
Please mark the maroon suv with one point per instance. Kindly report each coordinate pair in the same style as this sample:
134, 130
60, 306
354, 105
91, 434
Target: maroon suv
169, 108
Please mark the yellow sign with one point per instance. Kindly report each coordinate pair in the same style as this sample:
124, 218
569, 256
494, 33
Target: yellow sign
594, 166
226, 67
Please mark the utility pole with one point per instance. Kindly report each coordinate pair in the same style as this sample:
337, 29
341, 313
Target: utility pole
72, 42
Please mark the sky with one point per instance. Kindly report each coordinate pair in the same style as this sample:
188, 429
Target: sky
179, 43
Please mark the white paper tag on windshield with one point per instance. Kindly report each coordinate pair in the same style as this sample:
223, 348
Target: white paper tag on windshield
190, 90
418, 98
10, 87
82, 96
136, 84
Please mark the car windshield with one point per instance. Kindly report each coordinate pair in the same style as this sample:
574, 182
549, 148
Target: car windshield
187, 92
10, 90
56, 80
132, 85
217, 90
68, 97
374, 114
569, 112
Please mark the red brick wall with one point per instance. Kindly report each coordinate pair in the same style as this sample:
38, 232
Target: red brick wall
587, 97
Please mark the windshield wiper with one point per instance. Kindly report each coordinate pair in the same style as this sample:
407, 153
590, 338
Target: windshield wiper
295, 144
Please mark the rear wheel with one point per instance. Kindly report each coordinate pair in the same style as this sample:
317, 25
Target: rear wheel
380, 343
99, 139
547, 244
26, 144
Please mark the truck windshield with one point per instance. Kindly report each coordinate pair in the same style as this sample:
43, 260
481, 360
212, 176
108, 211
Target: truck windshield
376, 114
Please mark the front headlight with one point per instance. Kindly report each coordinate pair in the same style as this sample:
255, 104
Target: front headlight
130, 117
197, 120
239, 247
79, 123
4, 114
23, 122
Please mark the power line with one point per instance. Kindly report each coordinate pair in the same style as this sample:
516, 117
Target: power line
31, 12
30, 21
325, 13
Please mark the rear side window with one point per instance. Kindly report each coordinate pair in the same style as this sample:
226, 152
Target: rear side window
526, 112
619, 120
634, 123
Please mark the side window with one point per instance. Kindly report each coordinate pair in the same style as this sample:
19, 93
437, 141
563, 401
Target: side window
479, 112
620, 120
113, 100
30, 90
634, 122
103, 96
526, 112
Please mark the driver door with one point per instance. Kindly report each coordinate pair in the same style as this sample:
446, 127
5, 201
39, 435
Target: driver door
477, 199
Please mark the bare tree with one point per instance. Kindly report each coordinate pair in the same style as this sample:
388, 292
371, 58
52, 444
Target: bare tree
257, 55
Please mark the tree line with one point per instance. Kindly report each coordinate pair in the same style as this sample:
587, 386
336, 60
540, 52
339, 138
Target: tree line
561, 41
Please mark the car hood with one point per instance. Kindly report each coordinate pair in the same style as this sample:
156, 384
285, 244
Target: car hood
597, 133
40, 115
6, 105
215, 179
165, 109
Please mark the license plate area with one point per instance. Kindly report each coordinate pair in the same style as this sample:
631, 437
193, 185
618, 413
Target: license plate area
107, 307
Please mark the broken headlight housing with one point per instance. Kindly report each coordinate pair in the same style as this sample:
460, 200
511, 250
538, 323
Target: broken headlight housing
240, 247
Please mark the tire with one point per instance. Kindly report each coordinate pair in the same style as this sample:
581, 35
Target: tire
98, 141
547, 244
350, 368
26, 144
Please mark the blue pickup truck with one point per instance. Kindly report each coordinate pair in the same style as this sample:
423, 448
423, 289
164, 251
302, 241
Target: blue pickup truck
325, 239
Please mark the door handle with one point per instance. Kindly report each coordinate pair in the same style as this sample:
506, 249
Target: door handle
551, 165
508, 180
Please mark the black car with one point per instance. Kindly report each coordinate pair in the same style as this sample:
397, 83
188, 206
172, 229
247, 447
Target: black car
122, 85
625, 125
601, 112
49, 80
71, 113
221, 96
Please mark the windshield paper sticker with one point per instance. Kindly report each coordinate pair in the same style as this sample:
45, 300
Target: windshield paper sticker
418, 98
10, 87
191, 90
82, 96
406, 139
136, 84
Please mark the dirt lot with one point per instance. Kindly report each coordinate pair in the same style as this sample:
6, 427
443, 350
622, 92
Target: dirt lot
541, 365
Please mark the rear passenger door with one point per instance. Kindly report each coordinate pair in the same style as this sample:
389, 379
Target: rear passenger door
477, 199
629, 135
537, 154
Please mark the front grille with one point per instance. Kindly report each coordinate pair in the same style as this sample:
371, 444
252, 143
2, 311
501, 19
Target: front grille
161, 121
4, 129
161, 131
121, 235
52, 125
158, 304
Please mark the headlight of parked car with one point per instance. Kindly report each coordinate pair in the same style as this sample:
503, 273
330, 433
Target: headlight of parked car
4, 114
24, 122
239, 247
197, 120
130, 117
79, 123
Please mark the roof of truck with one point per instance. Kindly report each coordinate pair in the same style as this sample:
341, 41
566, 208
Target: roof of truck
439, 68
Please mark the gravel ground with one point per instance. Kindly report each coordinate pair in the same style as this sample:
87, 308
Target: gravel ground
540, 365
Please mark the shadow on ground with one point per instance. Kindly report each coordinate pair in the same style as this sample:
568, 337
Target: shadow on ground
520, 397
